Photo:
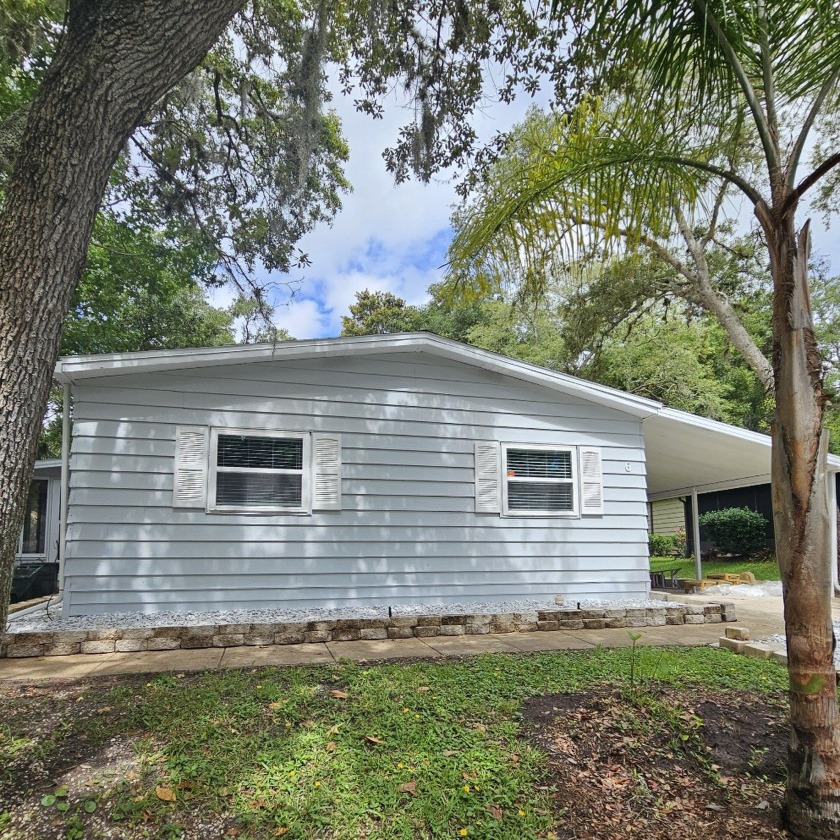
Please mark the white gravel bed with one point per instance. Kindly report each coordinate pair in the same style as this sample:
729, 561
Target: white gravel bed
772, 588
781, 640
42, 622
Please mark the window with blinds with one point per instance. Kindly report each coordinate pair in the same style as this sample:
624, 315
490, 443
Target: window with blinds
258, 471
539, 480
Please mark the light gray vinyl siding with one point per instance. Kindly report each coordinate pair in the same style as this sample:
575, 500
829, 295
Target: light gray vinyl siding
408, 530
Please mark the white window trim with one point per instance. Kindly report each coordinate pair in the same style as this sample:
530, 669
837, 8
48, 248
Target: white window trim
306, 472
574, 513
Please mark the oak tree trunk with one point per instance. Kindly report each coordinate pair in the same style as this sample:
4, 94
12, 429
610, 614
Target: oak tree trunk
802, 524
116, 59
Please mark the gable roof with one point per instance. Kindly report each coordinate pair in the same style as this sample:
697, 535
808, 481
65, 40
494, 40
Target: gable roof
683, 450
71, 369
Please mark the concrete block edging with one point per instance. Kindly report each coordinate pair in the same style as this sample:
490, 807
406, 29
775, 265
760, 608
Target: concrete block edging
63, 643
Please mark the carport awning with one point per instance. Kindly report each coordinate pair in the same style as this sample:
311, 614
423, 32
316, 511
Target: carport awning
685, 451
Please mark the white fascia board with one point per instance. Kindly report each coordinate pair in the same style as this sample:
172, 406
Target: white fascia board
72, 369
714, 487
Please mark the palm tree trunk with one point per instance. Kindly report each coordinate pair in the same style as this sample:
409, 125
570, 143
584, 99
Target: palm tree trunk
115, 60
802, 523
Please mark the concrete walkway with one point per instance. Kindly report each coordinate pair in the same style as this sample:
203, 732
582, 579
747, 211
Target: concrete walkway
81, 665
761, 616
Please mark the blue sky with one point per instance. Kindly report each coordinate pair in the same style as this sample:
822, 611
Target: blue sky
394, 238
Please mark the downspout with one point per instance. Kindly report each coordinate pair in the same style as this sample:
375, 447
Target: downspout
832, 507
65, 488
695, 530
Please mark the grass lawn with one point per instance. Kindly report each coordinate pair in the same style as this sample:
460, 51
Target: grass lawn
416, 750
762, 569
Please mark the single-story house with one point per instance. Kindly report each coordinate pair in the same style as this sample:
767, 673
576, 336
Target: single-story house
370, 470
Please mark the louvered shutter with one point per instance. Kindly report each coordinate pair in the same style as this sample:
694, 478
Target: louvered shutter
326, 459
190, 485
591, 481
487, 478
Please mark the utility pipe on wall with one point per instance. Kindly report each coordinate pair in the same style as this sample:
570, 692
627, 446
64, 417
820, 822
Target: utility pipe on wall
695, 522
65, 488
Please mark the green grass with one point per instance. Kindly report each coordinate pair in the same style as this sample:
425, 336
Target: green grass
762, 569
274, 749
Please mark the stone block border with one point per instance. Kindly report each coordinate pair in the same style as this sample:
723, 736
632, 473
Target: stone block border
130, 640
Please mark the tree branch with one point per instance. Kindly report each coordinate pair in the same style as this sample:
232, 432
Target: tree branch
809, 180
710, 233
768, 141
732, 177
796, 153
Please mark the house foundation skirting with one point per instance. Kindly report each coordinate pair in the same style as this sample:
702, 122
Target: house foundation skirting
129, 640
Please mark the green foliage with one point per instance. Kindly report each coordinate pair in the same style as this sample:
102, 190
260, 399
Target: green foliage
140, 293
665, 544
762, 569
275, 748
378, 313
738, 531
240, 160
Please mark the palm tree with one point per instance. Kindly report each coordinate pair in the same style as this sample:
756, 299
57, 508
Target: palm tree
686, 71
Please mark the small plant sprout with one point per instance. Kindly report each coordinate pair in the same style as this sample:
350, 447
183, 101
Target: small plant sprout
634, 638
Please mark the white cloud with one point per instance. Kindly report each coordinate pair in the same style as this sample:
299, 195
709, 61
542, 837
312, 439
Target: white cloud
302, 318
387, 237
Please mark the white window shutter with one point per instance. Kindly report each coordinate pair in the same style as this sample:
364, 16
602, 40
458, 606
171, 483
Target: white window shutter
591, 481
488, 478
327, 468
190, 485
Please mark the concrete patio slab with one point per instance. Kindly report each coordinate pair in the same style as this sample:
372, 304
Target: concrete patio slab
701, 634
204, 659
460, 645
51, 667
557, 640
382, 649
258, 657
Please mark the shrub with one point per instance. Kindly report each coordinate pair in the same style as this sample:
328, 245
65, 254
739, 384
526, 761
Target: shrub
661, 545
736, 530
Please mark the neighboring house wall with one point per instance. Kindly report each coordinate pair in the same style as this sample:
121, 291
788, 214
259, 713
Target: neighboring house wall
408, 530
39, 538
666, 516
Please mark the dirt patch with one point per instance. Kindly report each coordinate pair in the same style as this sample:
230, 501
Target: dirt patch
664, 764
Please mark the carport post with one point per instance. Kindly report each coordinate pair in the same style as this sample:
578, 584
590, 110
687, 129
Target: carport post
695, 523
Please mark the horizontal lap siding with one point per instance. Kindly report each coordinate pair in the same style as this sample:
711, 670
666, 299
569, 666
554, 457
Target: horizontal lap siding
408, 531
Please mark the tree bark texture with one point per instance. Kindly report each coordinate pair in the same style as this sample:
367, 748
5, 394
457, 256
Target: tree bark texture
116, 59
802, 523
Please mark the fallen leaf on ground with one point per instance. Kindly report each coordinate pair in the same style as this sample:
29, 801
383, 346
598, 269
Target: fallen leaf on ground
281, 831
409, 787
447, 753
338, 694
374, 740
496, 812
331, 746
165, 794
423, 689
